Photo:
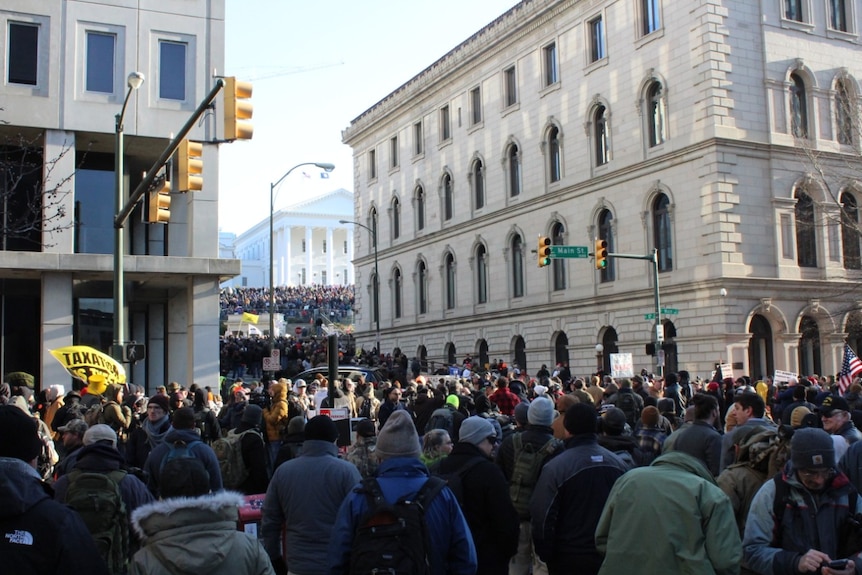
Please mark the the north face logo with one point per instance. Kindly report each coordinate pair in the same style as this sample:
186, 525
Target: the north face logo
20, 537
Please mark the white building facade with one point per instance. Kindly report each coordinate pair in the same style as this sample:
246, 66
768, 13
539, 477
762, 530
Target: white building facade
65, 79
724, 135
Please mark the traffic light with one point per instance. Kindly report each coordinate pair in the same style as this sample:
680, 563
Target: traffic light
237, 108
601, 253
160, 204
190, 166
544, 252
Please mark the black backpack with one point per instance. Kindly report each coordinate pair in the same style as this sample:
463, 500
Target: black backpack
628, 403
393, 538
442, 418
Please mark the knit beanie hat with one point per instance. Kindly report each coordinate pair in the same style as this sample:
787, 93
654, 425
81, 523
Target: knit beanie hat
252, 414
541, 412
796, 416
322, 428
614, 421
475, 430
453, 400
19, 435
398, 438
161, 401
365, 428
810, 448
521, 413
580, 418
296, 425
183, 418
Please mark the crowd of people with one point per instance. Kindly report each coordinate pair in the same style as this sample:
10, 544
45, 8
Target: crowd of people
293, 301
496, 473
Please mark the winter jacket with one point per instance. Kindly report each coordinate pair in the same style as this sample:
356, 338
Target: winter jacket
451, 546
851, 464
694, 533
195, 535
700, 440
728, 455
805, 514
199, 449
305, 494
568, 500
275, 416
536, 435
41, 536
143, 438
256, 456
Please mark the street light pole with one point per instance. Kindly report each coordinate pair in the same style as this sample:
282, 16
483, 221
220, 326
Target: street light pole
323, 166
376, 280
134, 82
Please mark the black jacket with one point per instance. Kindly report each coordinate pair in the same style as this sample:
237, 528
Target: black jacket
256, 458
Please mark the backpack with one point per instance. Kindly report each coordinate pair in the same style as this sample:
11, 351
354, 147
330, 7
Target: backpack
178, 460
95, 414
201, 424
228, 451
628, 404
767, 449
528, 464
393, 538
97, 499
442, 418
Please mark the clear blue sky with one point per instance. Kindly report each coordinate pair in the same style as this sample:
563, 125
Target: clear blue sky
315, 67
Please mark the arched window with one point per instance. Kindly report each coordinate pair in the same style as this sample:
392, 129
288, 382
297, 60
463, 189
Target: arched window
396, 218
600, 135
517, 266
481, 275
422, 287
809, 346
606, 233
806, 244
420, 207
396, 293
655, 114
375, 297
850, 232
843, 114
450, 281
448, 199
373, 225
477, 174
760, 362
555, 166
513, 160
798, 107
558, 238
662, 232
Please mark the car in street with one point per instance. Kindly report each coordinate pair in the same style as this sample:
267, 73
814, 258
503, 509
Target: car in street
372, 375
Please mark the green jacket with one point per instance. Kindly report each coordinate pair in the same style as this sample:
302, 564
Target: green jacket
669, 518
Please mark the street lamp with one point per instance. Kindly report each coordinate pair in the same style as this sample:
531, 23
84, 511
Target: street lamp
376, 279
134, 82
323, 166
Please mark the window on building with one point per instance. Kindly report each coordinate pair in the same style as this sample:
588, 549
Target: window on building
656, 114
798, 107
510, 86
549, 64
324, 246
793, 10
94, 204
374, 227
475, 106
597, 39
445, 124
606, 232
396, 293
23, 55
555, 167
651, 16
450, 281
838, 16
372, 164
844, 113
517, 266
662, 232
481, 274
419, 196
600, 136
303, 246
448, 198
323, 277
558, 233
393, 152
172, 70
418, 139
477, 175
375, 297
513, 170
806, 243
100, 62
422, 287
345, 246
396, 218
850, 232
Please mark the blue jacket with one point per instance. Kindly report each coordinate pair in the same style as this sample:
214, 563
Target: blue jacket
452, 551
200, 450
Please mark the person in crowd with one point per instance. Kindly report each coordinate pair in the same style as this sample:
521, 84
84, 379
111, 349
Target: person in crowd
41, 536
71, 409
650, 436
55, 396
72, 439
254, 452
436, 445
749, 411
797, 519
569, 495
700, 439
151, 433
117, 415
615, 436
489, 511
799, 400
565, 402
835, 418
291, 445
307, 512
232, 412
391, 404
206, 421
276, 415
366, 404
503, 397
401, 473
361, 453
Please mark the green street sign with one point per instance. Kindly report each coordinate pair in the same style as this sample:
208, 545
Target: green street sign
569, 252
669, 311
649, 316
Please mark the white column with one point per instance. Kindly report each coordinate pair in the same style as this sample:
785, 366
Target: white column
351, 273
287, 254
330, 254
309, 256
59, 151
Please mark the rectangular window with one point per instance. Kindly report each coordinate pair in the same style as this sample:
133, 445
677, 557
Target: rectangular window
100, 62
393, 152
23, 53
510, 87
786, 237
597, 39
549, 63
475, 106
324, 246
445, 124
345, 246
172, 70
323, 277
838, 16
372, 164
793, 10
650, 16
303, 246
418, 138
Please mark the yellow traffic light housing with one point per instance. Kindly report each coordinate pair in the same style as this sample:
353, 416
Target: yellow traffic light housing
159, 211
544, 251
237, 109
190, 166
601, 253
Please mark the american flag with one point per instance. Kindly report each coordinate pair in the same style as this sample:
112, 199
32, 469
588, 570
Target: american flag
850, 368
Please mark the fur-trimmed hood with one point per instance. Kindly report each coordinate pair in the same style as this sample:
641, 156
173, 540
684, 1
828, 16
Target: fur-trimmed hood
154, 518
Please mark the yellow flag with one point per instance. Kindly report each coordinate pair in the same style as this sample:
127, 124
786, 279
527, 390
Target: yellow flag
82, 361
250, 317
